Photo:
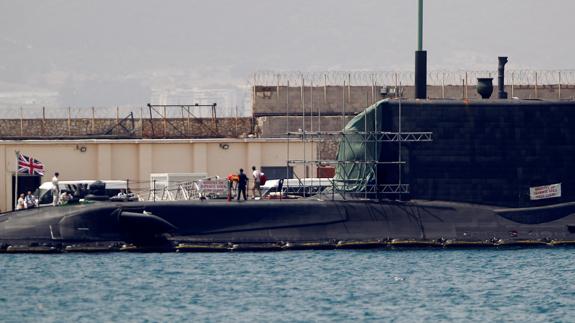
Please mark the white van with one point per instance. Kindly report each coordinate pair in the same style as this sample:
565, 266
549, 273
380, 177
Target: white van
296, 187
44, 192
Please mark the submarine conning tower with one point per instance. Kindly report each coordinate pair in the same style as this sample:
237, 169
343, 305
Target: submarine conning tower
509, 153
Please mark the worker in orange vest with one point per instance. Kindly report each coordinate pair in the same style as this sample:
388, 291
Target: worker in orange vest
233, 180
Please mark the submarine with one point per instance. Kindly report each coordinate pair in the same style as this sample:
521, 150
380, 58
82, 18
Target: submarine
459, 173
409, 173
282, 225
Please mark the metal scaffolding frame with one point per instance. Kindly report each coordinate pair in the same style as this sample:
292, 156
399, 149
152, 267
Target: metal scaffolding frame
360, 187
130, 130
153, 108
370, 136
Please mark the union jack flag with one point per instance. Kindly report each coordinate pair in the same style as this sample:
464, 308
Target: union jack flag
29, 165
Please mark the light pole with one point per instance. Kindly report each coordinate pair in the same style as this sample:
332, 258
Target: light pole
420, 58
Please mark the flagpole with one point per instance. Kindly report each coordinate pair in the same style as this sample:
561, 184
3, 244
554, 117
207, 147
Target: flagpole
16, 184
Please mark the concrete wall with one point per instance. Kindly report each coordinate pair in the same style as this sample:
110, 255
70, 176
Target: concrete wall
278, 127
136, 159
330, 99
157, 128
349, 99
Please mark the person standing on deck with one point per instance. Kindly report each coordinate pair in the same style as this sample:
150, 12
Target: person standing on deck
55, 190
232, 185
257, 182
30, 200
21, 203
242, 184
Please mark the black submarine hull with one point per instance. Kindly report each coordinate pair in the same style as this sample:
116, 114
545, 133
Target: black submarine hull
275, 225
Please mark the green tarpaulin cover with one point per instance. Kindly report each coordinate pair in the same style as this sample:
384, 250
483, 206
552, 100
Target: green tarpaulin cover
358, 150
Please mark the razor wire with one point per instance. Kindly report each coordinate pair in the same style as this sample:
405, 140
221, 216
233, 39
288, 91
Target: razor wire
395, 78
296, 79
16, 111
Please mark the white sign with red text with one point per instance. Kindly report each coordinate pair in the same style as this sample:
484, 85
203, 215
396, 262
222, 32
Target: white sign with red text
545, 192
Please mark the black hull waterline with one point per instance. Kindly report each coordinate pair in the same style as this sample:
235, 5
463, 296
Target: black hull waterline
278, 225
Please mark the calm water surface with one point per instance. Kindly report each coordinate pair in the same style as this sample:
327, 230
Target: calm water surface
379, 285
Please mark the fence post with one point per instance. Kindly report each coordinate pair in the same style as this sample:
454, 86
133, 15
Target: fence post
287, 111
559, 87
512, 84
182, 121
325, 101
536, 92
349, 88
372, 89
325, 88
302, 99
93, 120
254, 91
164, 121
69, 122
236, 120
343, 107
277, 91
43, 120
465, 87
21, 122
443, 86
311, 105
188, 124
141, 122
396, 85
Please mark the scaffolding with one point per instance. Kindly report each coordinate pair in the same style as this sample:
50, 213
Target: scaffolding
127, 124
346, 184
186, 110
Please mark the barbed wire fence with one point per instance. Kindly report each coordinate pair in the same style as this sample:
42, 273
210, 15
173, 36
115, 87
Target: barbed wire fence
562, 78
23, 111
390, 78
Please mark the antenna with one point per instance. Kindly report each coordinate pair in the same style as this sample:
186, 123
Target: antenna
420, 59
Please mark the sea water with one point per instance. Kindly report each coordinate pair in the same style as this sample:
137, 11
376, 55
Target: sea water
509, 285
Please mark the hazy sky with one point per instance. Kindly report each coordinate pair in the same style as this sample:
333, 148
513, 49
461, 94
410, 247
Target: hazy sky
82, 49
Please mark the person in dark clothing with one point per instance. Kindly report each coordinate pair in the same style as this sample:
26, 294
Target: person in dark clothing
242, 184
